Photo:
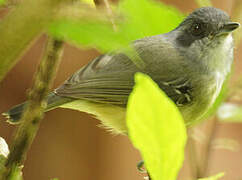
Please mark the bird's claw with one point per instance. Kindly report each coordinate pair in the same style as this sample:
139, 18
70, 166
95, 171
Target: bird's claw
141, 169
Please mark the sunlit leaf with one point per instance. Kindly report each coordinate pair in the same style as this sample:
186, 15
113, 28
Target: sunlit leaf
156, 128
145, 19
216, 177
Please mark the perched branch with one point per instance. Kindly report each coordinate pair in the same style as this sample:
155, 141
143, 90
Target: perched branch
34, 110
20, 27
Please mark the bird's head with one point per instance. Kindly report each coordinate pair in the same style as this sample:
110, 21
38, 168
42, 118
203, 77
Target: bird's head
205, 37
205, 26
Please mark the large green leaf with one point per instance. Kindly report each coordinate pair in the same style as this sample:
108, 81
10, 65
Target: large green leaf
156, 128
140, 18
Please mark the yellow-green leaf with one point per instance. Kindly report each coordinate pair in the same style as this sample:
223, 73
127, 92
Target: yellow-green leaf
140, 18
156, 128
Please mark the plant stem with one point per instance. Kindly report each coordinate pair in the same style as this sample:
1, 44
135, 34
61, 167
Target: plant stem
33, 112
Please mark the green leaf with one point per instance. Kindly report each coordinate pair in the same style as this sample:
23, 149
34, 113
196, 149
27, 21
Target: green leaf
216, 177
141, 18
147, 17
156, 128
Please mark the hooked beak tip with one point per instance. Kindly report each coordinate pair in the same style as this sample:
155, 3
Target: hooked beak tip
229, 27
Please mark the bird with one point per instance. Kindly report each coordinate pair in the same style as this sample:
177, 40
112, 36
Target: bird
190, 64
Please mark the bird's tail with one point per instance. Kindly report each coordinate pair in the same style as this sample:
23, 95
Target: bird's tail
53, 101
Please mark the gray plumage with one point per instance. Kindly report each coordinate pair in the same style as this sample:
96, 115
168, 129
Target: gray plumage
189, 64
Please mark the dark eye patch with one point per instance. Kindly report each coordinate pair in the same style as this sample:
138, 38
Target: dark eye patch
194, 31
197, 29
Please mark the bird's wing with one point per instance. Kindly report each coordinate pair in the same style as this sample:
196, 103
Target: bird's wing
110, 78
106, 79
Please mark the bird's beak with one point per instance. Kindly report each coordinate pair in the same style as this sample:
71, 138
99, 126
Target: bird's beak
228, 28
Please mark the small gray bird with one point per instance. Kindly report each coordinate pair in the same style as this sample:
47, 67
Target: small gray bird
190, 64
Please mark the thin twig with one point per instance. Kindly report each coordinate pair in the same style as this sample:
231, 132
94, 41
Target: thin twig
105, 3
110, 14
33, 112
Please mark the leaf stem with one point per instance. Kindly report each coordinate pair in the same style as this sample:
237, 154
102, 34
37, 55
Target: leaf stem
33, 112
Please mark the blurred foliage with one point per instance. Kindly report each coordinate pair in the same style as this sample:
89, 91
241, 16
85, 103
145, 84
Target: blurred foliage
140, 18
90, 2
2, 2
226, 144
161, 142
2, 163
229, 112
204, 3
216, 177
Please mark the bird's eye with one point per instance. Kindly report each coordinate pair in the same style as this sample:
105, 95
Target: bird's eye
197, 29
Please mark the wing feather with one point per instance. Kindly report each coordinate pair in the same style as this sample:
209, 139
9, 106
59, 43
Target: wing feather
110, 78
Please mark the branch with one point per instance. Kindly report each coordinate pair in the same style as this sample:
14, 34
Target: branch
20, 27
34, 109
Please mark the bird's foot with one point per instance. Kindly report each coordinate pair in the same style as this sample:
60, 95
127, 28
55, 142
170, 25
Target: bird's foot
141, 169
